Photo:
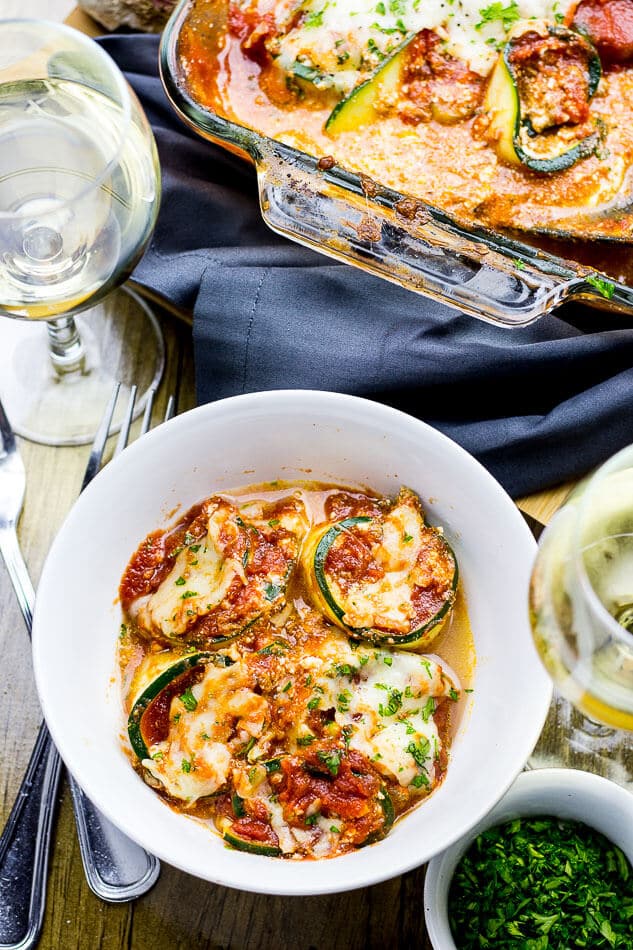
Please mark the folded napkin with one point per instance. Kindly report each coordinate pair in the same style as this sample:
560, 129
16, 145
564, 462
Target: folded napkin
536, 405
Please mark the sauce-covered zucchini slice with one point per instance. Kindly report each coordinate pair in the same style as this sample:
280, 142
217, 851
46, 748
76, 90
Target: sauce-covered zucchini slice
148, 721
236, 836
231, 569
538, 98
389, 579
367, 101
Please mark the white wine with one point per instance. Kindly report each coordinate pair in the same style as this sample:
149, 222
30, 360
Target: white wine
65, 242
581, 600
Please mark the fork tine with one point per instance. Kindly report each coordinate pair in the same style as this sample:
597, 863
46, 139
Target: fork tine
124, 434
171, 408
147, 415
96, 452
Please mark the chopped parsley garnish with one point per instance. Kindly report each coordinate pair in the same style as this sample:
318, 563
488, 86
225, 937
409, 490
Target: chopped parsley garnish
246, 748
428, 709
604, 287
276, 648
420, 780
497, 12
176, 718
122, 632
518, 263
305, 740
314, 702
453, 694
344, 669
180, 582
335, 830
287, 686
311, 820
157, 756
188, 594
343, 700
407, 538
394, 704
314, 18
186, 765
381, 8
419, 751
188, 700
273, 765
273, 522
331, 760
271, 591
194, 548
542, 883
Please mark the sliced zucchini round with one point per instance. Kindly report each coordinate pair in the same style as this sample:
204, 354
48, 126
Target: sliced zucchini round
173, 679
241, 843
361, 106
511, 128
317, 548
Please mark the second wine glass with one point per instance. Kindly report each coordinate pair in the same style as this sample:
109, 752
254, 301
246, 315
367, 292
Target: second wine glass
581, 609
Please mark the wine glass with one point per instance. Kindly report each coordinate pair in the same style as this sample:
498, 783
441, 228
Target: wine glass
79, 195
581, 611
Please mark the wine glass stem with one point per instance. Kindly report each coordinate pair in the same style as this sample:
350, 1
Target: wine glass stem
65, 346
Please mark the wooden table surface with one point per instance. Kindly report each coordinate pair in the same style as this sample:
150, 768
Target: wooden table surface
181, 912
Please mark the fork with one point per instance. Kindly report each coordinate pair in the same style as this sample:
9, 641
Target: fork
116, 868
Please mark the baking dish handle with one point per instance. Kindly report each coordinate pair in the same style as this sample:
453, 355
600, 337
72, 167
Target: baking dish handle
350, 219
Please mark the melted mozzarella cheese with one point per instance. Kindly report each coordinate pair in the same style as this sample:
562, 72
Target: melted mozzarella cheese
195, 759
343, 39
386, 602
388, 714
198, 582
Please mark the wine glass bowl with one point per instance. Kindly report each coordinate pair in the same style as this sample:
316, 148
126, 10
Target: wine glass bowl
581, 595
79, 195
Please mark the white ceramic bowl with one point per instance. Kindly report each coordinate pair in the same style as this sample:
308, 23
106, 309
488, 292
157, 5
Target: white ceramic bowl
562, 793
260, 437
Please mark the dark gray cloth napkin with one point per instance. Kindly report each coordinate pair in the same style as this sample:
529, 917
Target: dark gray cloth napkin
535, 406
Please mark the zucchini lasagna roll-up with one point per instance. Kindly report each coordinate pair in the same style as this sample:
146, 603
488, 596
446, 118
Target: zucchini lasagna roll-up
383, 574
222, 569
294, 745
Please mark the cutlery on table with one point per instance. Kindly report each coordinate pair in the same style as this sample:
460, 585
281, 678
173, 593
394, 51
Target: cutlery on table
116, 868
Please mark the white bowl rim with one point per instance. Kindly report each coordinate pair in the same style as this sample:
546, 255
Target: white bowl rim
526, 797
321, 880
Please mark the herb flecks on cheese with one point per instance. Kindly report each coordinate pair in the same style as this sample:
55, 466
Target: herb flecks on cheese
335, 43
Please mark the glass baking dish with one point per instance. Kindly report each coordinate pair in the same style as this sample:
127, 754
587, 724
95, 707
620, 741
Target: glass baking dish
488, 274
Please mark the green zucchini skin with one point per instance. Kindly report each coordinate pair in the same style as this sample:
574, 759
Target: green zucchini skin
389, 813
504, 101
359, 107
321, 553
134, 723
251, 847
373, 635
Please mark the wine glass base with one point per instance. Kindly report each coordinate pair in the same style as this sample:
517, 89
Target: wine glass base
571, 740
123, 343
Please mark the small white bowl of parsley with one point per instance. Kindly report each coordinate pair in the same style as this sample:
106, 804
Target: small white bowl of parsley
549, 868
